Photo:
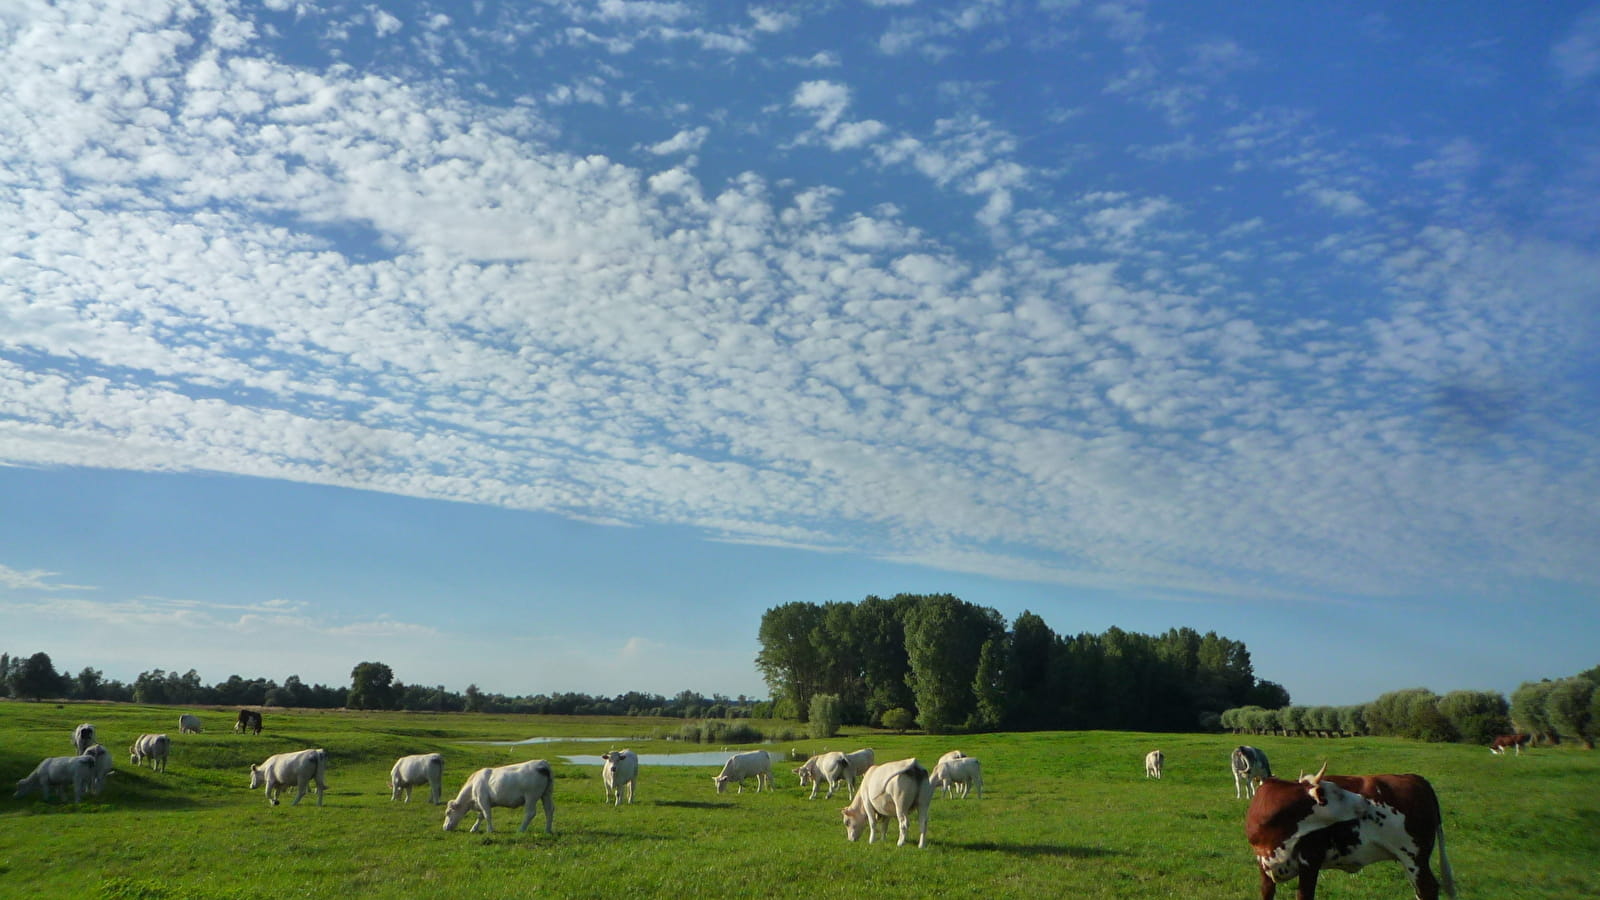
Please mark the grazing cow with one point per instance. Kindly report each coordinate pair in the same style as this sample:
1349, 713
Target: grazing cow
415, 771
82, 737
621, 767
832, 767
756, 764
188, 724
953, 754
1153, 763
249, 720
1249, 767
153, 747
523, 784
962, 773
892, 789
1299, 828
102, 767
301, 768
1515, 741
61, 772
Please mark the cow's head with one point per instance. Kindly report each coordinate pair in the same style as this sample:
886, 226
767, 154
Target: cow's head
453, 811
258, 778
721, 781
1282, 812
854, 821
1331, 802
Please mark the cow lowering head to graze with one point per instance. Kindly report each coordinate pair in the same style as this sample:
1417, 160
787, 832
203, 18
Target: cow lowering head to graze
523, 784
963, 773
1514, 741
1299, 828
1249, 766
61, 772
82, 737
249, 720
755, 764
892, 789
1154, 761
102, 767
188, 724
301, 768
618, 768
153, 747
414, 771
832, 767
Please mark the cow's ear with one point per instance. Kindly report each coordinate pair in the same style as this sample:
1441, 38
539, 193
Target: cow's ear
1317, 797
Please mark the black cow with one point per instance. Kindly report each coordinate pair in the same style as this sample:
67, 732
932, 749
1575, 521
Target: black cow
249, 720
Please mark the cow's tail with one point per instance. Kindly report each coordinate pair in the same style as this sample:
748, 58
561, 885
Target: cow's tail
549, 782
1447, 878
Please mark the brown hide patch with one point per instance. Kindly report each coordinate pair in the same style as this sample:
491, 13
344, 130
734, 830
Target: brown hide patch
1275, 813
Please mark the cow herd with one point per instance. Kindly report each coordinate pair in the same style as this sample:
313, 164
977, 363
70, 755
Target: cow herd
1296, 828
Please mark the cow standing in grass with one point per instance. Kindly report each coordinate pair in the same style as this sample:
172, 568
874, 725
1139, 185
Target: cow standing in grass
153, 747
62, 772
1154, 761
82, 737
523, 784
756, 764
1249, 765
621, 767
301, 768
414, 771
892, 789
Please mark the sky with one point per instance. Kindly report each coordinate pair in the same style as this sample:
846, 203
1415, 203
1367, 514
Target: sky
544, 346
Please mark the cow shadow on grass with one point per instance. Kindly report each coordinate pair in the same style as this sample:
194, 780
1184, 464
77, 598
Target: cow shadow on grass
1032, 850
696, 804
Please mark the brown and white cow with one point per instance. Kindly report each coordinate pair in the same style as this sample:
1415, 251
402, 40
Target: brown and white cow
1299, 828
1515, 741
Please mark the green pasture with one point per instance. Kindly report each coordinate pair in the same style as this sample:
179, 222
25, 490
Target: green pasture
1065, 814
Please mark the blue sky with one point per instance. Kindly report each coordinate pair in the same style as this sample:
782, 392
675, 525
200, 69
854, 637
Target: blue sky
543, 346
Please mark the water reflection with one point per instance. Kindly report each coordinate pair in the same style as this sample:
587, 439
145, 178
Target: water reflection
697, 758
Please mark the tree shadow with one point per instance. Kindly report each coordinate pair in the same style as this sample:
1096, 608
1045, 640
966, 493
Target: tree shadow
1033, 850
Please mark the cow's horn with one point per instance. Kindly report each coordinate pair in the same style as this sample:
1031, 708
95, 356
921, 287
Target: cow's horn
1322, 771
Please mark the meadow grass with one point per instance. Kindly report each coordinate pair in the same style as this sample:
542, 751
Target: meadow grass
1063, 814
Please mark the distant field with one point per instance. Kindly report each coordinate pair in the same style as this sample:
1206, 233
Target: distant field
1064, 814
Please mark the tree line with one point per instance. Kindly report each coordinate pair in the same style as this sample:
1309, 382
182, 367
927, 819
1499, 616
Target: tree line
949, 665
373, 685
1550, 711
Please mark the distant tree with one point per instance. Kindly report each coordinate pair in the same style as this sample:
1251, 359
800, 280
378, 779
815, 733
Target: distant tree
899, 719
371, 686
473, 699
37, 678
1568, 705
988, 687
1353, 719
789, 660
824, 721
1528, 710
87, 685
1477, 716
1269, 695
944, 641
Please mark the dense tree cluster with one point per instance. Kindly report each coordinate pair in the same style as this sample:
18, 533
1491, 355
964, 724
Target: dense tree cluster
1549, 710
952, 665
372, 686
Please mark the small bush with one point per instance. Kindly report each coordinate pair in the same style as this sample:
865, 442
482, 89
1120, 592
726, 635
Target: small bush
827, 714
899, 718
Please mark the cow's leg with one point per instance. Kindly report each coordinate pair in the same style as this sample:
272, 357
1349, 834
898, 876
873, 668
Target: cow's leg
528, 809
905, 823
922, 826
1308, 883
299, 792
548, 801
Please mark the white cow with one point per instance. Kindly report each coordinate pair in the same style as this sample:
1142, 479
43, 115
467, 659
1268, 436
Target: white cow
892, 789
521, 785
621, 768
860, 761
755, 764
415, 771
82, 737
832, 767
301, 768
188, 724
1153, 763
59, 771
1249, 766
102, 767
153, 747
962, 773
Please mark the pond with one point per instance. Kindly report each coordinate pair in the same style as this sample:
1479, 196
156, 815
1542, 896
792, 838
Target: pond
697, 758
555, 740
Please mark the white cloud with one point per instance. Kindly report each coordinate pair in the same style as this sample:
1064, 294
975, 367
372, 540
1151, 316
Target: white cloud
685, 141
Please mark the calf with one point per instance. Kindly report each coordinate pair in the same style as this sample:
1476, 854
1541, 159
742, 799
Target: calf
755, 764
1298, 828
621, 767
1514, 741
1249, 766
82, 737
962, 773
301, 768
521, 785
893, 789
832, 767
413, 771
188, 724
60, 772
249, 720
1153, 763
153, 747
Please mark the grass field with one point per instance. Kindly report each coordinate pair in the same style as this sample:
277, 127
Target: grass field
1064, 814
